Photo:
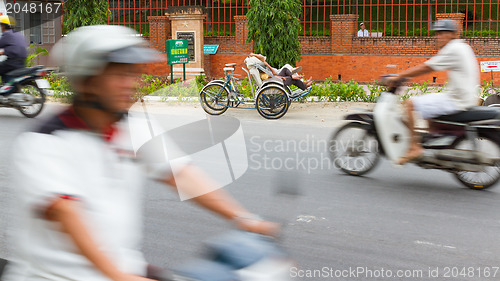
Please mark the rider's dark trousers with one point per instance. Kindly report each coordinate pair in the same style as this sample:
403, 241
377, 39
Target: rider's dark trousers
9, 65
289, 80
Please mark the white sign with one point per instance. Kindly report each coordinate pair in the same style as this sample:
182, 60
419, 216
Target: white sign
489, 66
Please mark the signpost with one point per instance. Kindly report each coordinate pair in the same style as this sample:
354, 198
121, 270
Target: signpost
210, 49
490, 66
177, 53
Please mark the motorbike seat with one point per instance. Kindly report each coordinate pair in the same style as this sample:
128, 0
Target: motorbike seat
22, 71
477, 113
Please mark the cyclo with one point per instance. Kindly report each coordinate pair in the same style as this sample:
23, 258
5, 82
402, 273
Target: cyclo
270, 97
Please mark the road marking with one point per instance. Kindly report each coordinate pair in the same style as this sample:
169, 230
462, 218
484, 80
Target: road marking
306, 218
434, 245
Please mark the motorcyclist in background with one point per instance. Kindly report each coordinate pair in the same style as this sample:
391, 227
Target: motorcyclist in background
462, 91
14, 47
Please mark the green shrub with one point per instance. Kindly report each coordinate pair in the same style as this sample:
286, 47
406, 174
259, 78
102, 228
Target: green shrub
201, 81
340, 91
376, 89
150, 84
60, 86
219, 33
245, 88
180, 90
488, 88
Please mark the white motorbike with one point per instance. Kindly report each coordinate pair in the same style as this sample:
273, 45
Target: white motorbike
466, 144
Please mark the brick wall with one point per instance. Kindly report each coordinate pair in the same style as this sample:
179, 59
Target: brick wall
364, 69
160, 30
315, 45
343, 30
226, 43
342, 54
241, 35
394, 46
485, 46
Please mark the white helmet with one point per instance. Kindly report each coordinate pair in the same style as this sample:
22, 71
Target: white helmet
87, 50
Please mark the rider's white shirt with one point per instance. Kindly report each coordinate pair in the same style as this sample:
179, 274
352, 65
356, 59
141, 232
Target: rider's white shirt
363, 33
107, 179
458, 59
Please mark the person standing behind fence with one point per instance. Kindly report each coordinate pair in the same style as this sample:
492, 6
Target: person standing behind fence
363, 32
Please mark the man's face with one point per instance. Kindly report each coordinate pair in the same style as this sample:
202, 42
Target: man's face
362, 27
443, 37
116, 86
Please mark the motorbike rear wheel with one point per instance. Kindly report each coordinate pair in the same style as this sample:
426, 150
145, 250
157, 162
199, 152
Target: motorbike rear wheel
490, 174
353, 149
38, 94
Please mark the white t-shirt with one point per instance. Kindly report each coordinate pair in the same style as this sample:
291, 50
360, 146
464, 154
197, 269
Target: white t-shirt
363, 33
458, 59
107, 178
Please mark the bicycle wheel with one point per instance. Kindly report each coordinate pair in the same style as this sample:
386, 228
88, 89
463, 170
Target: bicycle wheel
214, 99
37, 96
490, 174
354, 150
272, 102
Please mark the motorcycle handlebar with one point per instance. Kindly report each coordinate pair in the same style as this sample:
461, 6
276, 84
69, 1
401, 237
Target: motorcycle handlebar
393, 86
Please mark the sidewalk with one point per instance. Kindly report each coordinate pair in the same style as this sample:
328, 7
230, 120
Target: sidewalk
323, 114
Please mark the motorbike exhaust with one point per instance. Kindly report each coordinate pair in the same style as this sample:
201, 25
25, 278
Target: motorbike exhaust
462, 156
465, 160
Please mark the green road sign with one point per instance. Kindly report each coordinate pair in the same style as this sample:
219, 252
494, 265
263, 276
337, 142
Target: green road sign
177, 51
210, 49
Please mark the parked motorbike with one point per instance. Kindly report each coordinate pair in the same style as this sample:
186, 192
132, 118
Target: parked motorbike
466, 144
25, 91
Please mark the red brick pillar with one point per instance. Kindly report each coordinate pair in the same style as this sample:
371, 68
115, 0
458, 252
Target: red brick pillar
159, 32
343, 31
241, 35
458, 17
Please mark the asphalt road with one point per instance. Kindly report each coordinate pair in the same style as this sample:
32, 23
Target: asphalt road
393, 221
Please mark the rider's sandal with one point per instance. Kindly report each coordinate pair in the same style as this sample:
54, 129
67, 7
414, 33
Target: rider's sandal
406, 159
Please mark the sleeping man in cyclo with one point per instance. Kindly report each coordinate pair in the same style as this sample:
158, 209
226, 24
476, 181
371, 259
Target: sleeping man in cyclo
262, 71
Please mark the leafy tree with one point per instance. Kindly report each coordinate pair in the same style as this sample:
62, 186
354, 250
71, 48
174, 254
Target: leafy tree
85, 12
273, 25
34, 53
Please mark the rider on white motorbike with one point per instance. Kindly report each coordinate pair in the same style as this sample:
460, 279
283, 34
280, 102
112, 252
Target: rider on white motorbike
14, 47
462, 92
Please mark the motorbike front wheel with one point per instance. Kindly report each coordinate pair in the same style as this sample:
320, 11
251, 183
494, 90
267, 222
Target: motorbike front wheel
38, 95
490, 174
353, 149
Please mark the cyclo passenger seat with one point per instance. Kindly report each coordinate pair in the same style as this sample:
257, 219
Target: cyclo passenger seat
476, 113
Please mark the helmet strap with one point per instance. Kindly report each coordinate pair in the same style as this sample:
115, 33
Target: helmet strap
96, 103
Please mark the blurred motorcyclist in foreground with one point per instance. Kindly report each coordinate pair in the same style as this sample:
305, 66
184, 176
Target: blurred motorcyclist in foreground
462, 90
14, 47
79, 181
